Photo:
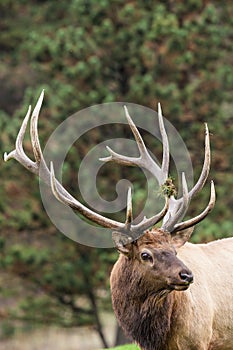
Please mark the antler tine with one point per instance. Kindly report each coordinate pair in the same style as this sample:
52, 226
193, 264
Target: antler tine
140, 143
206, 166
175, 204
120, 159
178, 212
18, 153
166, 156
34, 130
144, 160
200, 217
129, 212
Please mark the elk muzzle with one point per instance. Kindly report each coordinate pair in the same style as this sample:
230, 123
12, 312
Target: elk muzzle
181, 277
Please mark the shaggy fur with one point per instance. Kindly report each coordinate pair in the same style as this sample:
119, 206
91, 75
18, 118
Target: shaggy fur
159, 318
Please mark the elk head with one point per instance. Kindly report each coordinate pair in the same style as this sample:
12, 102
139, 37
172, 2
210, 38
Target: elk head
135, 242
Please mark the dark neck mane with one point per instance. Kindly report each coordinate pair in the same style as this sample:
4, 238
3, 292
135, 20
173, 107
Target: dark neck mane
152, 328
144, 317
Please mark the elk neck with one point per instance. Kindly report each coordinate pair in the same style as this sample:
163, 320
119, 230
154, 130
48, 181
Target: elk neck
147, 317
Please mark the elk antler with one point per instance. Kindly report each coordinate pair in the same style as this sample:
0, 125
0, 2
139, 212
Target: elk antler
177, 207
39, 167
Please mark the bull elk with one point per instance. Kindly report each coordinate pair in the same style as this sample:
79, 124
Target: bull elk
167, 294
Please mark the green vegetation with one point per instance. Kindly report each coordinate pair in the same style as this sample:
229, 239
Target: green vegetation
89, 52
126, 347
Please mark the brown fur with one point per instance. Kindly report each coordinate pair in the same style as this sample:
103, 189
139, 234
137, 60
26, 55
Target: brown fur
158, 317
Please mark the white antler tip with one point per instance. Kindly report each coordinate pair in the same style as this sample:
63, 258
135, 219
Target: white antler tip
212, 187
184, 182
129, 214
108, 148
38, 104
5, 157
127, 113
129, 199
159, 109
206, 128
126, 109
129, 193
40, 99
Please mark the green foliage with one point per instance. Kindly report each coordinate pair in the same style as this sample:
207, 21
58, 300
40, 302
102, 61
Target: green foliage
7, 330
126, 347
62, 283
90, 52
178, 54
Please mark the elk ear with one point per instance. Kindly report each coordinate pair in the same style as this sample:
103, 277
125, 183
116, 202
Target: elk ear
179, 238
123, 243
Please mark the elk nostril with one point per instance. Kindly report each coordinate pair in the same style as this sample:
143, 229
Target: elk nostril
186, 276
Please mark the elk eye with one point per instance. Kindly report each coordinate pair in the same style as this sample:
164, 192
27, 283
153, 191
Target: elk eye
146, 257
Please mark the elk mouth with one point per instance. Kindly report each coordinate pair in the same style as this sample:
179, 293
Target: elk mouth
183, 282
179, 286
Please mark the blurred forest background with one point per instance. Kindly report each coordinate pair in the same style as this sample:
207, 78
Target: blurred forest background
86, 52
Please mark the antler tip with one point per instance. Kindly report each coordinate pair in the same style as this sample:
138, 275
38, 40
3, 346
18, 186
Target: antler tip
129, 212
38, 104
5, 157
159, 109
127, 114
212, 185
129, 192
206, 128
